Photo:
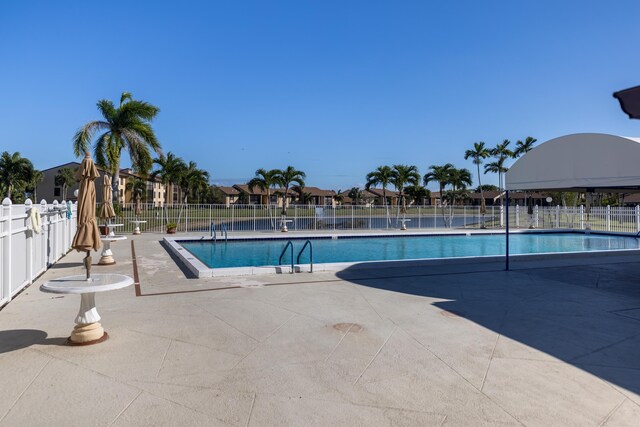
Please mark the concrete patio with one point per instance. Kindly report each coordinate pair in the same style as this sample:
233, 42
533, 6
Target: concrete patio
549, 343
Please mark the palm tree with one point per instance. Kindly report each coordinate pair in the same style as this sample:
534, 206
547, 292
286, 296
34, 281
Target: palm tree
285, 178
65, 178
355, 194
15, 171
459, 180
501, 152
338, 197
478, 153
442, 175
497, 167
524, 147
170, 168
404, 175
265, 181
381, 176
304, 198
127, 127
138, 189
32, 186
417, 193
191, 179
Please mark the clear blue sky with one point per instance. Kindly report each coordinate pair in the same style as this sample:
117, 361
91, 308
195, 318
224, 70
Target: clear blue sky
335, 88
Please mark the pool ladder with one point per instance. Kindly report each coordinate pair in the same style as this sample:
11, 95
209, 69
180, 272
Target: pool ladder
289, 246
214, 234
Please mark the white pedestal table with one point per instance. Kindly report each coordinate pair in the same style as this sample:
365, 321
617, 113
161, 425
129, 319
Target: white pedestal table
137, 223
88, 330
106, 257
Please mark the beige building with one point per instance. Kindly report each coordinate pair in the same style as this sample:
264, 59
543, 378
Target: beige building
49, 191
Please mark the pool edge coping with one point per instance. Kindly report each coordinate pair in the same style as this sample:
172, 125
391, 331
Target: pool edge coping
201, 270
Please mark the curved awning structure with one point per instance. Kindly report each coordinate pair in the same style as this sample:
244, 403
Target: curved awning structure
579, 162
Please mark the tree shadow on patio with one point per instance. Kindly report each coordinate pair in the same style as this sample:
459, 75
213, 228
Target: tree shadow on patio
16, 339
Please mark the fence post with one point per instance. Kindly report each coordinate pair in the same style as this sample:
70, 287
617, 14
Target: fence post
637, 218
464, 217
608, 218
501, 216
6, 250
419, 214
233, 216
517, 216
536, 216
581, 217
28, 205
557, 225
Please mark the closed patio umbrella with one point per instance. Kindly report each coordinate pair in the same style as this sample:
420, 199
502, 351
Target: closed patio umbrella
87, 235
106, 209
138, 207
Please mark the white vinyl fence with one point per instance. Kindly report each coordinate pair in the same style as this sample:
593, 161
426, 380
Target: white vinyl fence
194, 218
24, 255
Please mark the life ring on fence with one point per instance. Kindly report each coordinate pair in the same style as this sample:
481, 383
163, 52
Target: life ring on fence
36, 220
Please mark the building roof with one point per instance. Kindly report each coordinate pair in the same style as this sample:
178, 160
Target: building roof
319, 192
229, 191
257, 191
377, 192
579, 162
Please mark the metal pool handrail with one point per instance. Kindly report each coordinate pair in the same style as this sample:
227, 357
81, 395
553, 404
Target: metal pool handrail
223, 228
288, 245
212, 231
307, 243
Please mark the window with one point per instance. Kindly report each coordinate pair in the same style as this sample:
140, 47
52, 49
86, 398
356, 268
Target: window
56, 192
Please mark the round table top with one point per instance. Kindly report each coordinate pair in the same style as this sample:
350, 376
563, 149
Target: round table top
113, 238
114, 225
79, 284
138, 222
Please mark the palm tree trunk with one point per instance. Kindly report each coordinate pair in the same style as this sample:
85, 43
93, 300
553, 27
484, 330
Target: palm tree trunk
384, 201
482, 203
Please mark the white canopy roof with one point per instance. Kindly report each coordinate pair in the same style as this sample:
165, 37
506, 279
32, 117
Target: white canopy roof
579, 162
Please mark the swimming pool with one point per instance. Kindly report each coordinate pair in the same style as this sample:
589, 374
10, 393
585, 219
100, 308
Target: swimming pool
352, 249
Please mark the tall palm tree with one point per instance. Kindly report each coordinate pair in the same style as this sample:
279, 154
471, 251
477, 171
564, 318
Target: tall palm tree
65, 178
285, 178
138, 189
32, 186
126, 127
501, 152
15, 171
191, 179
402, 176
459, 180
478, 153
265, 181
381, 176
170, 169
497, 167
524, 147
442, 175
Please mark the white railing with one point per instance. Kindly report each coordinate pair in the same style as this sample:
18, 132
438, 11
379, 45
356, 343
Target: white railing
24, 255
194, 218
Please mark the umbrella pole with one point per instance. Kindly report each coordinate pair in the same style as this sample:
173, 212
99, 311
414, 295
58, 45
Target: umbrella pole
87, 264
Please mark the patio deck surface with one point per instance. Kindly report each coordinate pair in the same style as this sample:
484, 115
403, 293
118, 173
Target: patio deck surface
553, 342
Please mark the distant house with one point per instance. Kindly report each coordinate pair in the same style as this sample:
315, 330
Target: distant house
378, 197
231, 195
319, 196
256, 196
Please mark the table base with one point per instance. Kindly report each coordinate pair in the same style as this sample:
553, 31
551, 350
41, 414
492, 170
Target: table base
91, 333
104, 337
136, 230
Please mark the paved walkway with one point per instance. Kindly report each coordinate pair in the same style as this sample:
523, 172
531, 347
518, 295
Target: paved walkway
546, 344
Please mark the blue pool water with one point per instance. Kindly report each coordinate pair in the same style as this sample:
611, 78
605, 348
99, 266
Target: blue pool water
246, 253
